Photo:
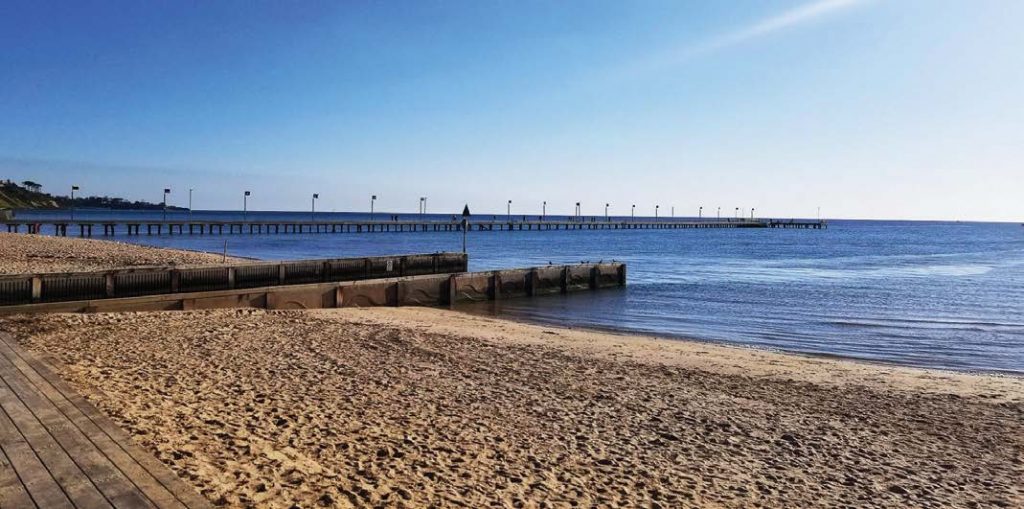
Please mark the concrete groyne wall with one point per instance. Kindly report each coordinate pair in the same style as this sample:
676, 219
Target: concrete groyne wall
423, 290
19, 289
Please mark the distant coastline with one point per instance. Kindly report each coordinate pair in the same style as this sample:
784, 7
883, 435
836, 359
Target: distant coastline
29, 195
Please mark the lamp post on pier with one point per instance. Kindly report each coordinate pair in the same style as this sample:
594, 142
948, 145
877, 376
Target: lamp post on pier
190, 204
508, 211
700, 213
606, 212
718, 215
544, 210
751, 213
373, 198
167, 191
578, 211
673, 211
245, 204
312, 210
73, 189
737, 212
656, 211
632, 213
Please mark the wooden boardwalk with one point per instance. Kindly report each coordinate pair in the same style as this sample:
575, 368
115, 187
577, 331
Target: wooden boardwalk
58, 451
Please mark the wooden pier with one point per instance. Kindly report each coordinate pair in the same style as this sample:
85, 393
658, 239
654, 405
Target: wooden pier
135, 228
58, 451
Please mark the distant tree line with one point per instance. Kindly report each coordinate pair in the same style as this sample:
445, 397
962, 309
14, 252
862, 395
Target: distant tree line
29, 194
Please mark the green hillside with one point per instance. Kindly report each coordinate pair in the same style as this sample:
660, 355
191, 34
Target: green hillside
14, 196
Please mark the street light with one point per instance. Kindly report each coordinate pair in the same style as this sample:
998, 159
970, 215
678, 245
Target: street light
632, 213
751, 213
73, 189
373, 198
578, 211
245, 204
656, 211
606, 212
737, 212
423, 205
167, 191
673, 211
718, 214
190, 204
312, 210
544, 210
700, 213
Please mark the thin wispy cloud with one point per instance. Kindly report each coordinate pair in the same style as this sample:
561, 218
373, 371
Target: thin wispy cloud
787, 20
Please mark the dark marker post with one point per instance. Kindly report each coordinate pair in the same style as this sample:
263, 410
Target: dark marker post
245, 204
465, 226
312, 211
373, 198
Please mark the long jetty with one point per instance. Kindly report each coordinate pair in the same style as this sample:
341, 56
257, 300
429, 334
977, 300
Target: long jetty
108, 228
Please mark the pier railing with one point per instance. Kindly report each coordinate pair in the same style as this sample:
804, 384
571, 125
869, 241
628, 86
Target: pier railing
154, 280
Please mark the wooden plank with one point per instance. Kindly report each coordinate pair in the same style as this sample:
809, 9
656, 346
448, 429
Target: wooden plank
156, 480
128, 468
12, 492
34, 475
76, 485
113, 485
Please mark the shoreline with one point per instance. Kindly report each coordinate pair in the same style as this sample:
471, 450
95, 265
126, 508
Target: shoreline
725, 343
622, 331
728, 350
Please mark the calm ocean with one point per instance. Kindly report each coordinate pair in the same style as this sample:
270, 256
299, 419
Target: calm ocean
933, 294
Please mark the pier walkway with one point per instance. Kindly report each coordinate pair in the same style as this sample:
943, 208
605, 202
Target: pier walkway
111, 228
58, 451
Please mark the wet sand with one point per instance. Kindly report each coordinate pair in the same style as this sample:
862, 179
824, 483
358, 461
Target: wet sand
417, 407
21, 253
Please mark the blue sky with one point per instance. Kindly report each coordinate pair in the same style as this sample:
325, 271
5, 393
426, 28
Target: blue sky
867, 108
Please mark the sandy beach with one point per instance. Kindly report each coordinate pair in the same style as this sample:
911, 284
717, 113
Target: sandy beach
21, 253
421, 407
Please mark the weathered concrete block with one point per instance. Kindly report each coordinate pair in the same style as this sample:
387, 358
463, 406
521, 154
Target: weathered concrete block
578, 278
514, 283
474, 287
368, 293
547, 280
315, 297
427, 291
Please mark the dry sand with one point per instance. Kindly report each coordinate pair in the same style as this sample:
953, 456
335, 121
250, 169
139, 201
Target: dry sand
21, 253
419, 407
